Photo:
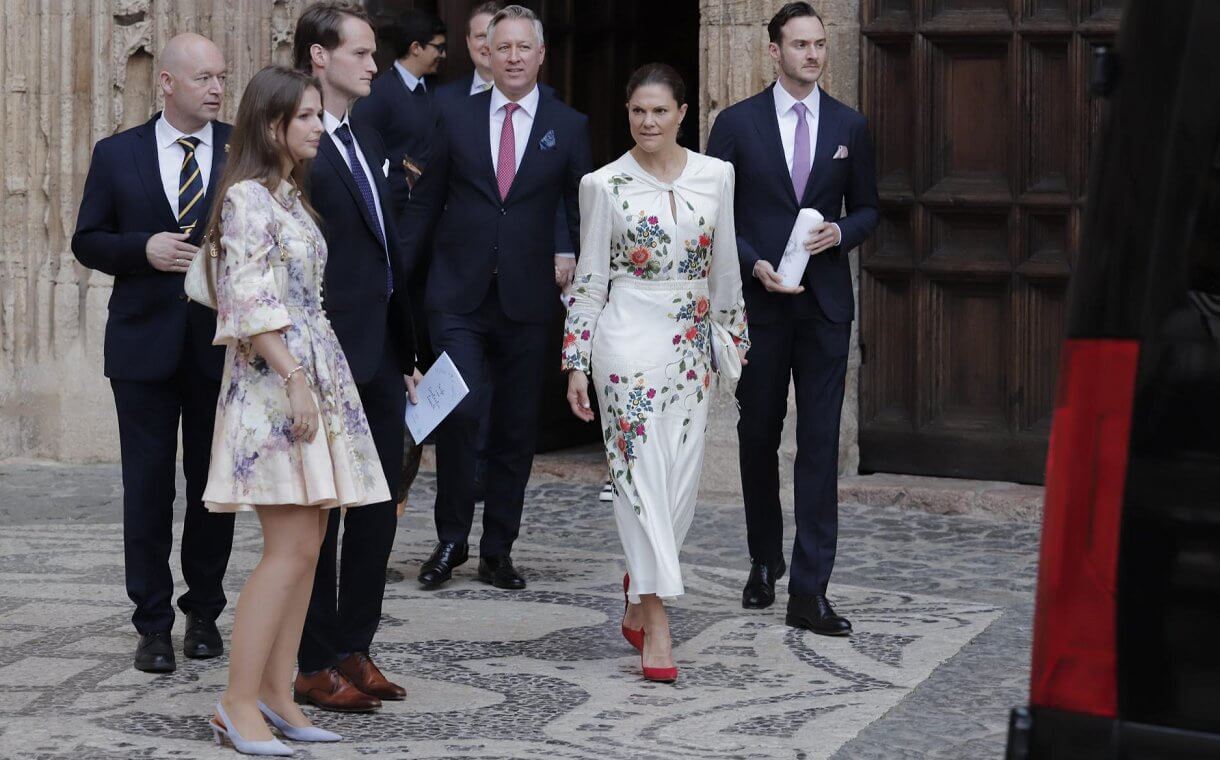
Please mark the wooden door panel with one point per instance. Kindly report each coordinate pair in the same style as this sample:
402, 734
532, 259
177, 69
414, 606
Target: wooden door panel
891, 299
965, 375
971, 119
894, 85
984, 125
1049, 158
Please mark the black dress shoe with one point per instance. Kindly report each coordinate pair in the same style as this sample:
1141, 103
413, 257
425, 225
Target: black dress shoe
814, 613
759, 592
439, 567
155, 653
202, 640
499, 572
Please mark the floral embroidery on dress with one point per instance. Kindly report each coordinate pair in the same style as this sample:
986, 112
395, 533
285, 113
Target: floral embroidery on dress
626, 422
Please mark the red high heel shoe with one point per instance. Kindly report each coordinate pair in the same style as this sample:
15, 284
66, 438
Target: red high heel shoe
634, 637
660, 675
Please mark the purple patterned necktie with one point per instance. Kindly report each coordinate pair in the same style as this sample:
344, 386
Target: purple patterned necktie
800, 153
344, 133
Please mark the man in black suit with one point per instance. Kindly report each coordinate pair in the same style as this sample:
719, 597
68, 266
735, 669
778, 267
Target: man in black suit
144, 227
370, 313
795, 147
494, 280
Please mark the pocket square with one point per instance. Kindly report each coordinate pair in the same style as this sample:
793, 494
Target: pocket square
385, 168
840, 153
548, 140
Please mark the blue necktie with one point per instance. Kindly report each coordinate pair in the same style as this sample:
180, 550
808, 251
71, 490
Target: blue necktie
344, 133
190, 186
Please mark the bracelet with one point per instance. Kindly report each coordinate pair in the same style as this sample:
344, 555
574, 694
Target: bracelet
293, 371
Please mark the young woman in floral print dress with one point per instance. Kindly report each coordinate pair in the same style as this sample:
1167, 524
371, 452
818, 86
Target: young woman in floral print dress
658, 265
291, 439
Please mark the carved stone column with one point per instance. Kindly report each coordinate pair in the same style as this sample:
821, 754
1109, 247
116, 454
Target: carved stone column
73, 73
735, 65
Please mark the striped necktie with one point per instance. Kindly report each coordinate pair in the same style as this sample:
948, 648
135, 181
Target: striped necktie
190, 186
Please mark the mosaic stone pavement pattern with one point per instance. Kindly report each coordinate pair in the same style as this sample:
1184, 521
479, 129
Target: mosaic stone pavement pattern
940, 606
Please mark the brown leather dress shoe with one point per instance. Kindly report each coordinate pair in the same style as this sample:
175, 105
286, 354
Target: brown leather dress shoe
329, 690
364, 674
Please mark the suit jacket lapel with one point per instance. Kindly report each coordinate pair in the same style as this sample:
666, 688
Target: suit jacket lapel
825, 148
481, 121
328, 148
380, 186
767, 124
220, 141
148, 166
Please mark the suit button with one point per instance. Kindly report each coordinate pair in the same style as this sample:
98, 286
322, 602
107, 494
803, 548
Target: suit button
496, 248
503, 211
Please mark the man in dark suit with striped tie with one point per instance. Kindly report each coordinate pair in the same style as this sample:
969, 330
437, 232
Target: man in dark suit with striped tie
145, 203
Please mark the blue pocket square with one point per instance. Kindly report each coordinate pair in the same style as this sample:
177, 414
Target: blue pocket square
548, 140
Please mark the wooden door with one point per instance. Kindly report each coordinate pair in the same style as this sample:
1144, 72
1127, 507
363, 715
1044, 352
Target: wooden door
983, 122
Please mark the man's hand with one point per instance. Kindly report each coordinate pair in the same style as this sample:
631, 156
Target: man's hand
565, 269
771, 280
823, 236
169, 251
412, 382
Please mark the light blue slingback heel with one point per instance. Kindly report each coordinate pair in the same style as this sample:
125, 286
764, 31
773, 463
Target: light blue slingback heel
225, 730
298, 733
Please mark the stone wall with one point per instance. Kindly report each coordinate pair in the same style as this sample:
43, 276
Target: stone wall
74, 72
735, 65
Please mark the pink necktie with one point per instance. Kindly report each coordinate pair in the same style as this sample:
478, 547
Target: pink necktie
506, 168
800, 153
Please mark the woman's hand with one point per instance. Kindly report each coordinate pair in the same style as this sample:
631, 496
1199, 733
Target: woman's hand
304, 409
578, 395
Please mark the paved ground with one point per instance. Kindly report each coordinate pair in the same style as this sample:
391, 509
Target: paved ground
941, 606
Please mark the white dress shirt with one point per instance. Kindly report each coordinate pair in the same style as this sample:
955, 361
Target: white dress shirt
330, 123
788, 121
523, 122
477, 84
787, 127
411, 80
170, 155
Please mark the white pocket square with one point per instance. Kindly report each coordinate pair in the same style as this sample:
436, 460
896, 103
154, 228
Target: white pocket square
840, 153
385, 168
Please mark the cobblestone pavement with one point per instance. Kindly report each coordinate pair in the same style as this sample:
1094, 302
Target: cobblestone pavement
941, 607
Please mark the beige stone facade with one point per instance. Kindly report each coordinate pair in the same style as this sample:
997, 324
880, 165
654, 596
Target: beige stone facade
74, 72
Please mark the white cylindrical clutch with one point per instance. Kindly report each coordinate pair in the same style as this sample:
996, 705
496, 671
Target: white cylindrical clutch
792, 265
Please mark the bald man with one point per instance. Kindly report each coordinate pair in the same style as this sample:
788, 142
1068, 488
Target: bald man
145, 204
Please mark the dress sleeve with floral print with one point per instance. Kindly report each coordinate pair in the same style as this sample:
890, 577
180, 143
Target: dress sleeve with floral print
724, 280
587, 296
247, 295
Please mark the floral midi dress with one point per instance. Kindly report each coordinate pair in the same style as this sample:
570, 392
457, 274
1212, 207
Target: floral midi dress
269, 279
658, 263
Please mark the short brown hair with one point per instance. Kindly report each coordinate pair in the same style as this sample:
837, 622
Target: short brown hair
490, 9
775, 28
322, 24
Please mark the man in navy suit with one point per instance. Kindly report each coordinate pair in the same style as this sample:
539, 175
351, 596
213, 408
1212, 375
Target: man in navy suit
370, 313
480, 79
399, 104
795, 147
144, 230
503, 160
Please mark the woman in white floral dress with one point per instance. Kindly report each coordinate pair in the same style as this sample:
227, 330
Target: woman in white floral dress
658, 264
291, 438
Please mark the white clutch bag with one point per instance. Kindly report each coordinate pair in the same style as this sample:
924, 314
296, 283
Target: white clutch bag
200, 283
725, 359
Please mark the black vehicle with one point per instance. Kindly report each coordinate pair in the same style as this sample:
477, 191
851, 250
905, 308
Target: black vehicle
1126, 654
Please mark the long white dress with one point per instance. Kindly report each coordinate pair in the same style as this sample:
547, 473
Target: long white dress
647, 286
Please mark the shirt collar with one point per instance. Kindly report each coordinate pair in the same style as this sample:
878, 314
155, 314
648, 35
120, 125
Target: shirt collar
784, 100
529, 103
168, 134
477, 84
330, 123
411, 80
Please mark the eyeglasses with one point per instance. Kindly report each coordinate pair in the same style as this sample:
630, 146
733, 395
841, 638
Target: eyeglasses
441, 47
